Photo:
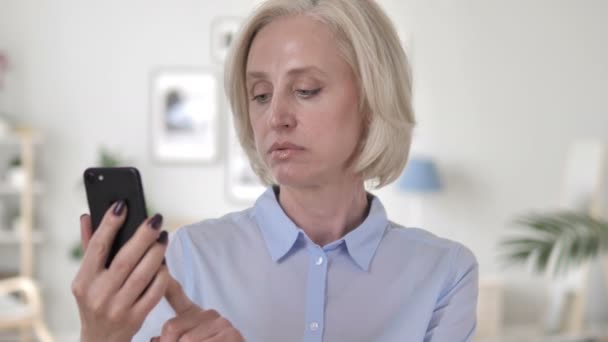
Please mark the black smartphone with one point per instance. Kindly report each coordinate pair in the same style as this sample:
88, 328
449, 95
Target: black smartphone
106, 185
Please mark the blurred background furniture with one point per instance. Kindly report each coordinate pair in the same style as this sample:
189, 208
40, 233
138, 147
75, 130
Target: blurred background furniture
582, 186
569, 248
20, 301
490, 308
419, 178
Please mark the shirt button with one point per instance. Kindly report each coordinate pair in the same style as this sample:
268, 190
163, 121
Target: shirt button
314, 326
319, 260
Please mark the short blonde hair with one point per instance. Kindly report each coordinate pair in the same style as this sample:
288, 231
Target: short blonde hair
369, 43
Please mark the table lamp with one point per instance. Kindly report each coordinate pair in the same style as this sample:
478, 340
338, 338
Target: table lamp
420, 177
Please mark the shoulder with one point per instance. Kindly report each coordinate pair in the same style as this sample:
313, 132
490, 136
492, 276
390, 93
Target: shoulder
423, 243
196, 244
233, 227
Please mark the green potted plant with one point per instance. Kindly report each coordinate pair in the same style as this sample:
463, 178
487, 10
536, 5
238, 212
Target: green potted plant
108, 158
15, 174
556, 242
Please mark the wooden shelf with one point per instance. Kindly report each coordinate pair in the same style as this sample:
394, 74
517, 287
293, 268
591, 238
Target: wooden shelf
9, 189
13, 139
8, 273
24, 140
534, 333
8, 237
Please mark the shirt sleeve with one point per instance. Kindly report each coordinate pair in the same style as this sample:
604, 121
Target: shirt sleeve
455, 314
152, 325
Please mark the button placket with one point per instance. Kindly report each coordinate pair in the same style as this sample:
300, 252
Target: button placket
316, 289
319, 261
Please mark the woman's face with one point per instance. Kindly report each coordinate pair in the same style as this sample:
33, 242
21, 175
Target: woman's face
302, 92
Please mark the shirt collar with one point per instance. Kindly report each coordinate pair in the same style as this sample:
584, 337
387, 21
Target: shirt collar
278, 230
280, 233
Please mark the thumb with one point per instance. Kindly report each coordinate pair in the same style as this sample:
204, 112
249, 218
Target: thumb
176, 297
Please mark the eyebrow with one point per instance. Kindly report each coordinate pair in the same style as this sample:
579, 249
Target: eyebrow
292, 72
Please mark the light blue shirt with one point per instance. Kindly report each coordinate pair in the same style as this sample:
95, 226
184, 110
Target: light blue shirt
380, 282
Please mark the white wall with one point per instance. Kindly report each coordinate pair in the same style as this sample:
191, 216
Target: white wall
501, 88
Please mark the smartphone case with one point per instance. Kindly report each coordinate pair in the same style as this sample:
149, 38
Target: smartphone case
106, 185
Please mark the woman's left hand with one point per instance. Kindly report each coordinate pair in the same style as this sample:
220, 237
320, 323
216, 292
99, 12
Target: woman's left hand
192, 323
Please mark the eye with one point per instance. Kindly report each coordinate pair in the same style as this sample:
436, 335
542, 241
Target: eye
307, 93
261, 98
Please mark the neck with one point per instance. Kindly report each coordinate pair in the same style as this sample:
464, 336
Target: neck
326, 213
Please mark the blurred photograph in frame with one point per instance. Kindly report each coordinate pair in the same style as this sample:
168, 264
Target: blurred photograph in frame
242, 184
223, 32
184, 115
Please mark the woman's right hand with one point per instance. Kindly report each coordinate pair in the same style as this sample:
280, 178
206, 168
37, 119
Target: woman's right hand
113, 302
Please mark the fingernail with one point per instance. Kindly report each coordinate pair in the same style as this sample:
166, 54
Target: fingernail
163, 238
119, 208
164, 262
156, 221
82, 216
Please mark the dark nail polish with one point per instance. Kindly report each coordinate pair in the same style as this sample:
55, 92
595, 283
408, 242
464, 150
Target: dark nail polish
163, 238
164, 262
156, 221
119, 208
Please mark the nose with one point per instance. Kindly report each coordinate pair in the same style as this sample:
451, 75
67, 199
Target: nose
281, 113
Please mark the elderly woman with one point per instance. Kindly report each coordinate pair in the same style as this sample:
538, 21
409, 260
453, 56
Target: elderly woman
321, 96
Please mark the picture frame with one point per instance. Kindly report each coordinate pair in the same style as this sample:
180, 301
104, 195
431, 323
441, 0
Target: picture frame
184, 115
242, 184
223, 31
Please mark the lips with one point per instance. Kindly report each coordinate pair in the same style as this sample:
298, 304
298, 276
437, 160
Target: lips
286, 145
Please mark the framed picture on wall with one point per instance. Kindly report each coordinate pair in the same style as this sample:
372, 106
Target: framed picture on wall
223, 31
184, 115
242, 183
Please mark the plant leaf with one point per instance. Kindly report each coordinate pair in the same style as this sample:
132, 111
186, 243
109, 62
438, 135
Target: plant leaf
556, 242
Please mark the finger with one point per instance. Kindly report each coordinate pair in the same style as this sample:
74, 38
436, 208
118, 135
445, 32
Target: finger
228, 335
84, 276
176, 297
142, 274
191, 325
131, 253
103, 238
98, 248
86, 230
213, 326
153, 294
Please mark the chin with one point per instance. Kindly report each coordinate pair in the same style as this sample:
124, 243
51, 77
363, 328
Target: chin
297, 180
290, 181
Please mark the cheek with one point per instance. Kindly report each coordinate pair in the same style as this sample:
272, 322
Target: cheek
337, 134
257, 126
342, 113
258, 134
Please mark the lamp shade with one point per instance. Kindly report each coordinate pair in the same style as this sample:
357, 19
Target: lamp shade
420, 175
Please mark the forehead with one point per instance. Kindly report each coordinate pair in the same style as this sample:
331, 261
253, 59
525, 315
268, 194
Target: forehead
291, 42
